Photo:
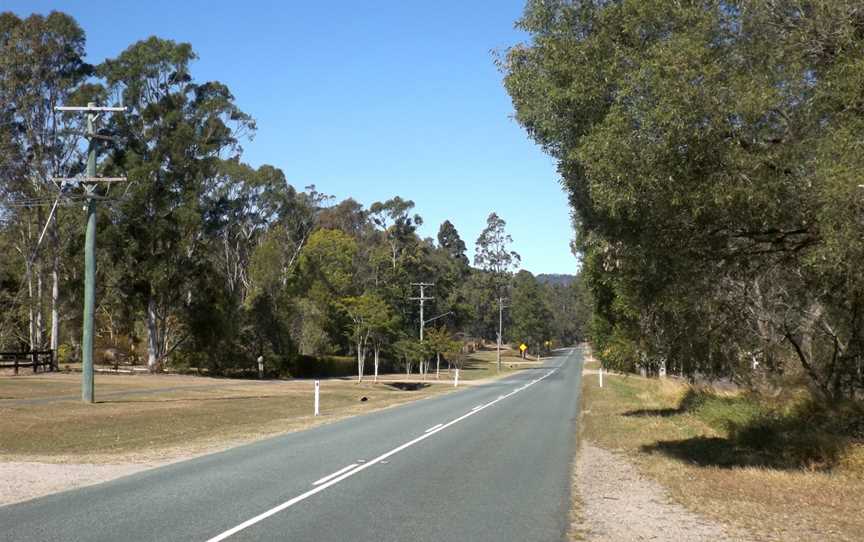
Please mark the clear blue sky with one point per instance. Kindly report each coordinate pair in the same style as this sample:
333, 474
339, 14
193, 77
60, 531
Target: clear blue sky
369, 100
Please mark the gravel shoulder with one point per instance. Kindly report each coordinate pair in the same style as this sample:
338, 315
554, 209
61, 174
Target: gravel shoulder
616, 503
25, 480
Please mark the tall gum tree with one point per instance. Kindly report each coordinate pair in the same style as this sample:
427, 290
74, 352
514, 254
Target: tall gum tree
41, 67
708, 150
169, 145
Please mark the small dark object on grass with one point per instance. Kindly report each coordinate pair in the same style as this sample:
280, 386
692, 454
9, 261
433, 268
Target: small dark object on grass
364, 399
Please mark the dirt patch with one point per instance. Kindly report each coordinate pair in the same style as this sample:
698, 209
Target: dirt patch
619, 504
408, 386
21, 481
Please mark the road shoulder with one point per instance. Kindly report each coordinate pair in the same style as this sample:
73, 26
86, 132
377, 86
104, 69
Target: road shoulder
617, 503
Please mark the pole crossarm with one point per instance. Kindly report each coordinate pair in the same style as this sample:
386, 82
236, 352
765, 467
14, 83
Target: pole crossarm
88, 108
89, 179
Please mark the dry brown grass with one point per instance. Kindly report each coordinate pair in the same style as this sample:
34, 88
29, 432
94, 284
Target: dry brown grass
146, 418
483, 364
774, 504
155, 418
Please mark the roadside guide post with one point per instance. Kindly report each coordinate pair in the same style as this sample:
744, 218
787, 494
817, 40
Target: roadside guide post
260, 367
601, 376
317, 396
456, 380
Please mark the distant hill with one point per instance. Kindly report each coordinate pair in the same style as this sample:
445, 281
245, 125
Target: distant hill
554, 278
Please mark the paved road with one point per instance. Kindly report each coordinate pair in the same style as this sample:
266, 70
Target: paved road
487, 463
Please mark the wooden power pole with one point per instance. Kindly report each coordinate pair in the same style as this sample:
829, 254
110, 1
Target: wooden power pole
422, 299
89, 184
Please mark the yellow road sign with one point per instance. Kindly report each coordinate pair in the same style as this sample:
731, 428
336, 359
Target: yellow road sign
523, 347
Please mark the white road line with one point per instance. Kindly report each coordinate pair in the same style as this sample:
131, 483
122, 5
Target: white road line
476, 407
434, 428
334, 475
333, 481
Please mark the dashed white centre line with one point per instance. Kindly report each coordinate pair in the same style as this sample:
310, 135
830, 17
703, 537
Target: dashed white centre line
433, 427
347, 472
334, 475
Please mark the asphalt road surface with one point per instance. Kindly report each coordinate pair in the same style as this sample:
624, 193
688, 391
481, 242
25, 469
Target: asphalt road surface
490, 462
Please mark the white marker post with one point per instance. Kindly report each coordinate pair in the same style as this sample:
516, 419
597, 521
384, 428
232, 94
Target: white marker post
456, 380
317, 396
601, 376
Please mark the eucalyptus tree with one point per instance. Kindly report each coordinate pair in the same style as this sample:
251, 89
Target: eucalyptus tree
170, 145
41, 67
529, 313
397, 224
450, 241
707, 149
370, 319
326, 272
494, 257
440, 341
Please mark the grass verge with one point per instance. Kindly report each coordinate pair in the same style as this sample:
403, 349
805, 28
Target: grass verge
154, 418
784, 470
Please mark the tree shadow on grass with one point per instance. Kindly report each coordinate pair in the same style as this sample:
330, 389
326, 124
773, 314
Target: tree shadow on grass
715, 452
811, 435
653, 412
691, 401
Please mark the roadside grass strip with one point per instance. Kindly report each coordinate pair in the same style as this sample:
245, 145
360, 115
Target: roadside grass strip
347, 472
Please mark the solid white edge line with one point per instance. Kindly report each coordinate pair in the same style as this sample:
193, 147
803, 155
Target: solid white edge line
364, 466
434, 427
476, 407
334, 475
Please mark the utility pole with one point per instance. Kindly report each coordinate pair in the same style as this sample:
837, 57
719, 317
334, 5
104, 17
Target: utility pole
501, 308
89, 183
422, 299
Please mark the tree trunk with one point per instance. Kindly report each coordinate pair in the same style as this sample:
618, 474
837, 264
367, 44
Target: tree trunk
40, 320
154, 343
55, 287
31, 315
361, 360
40, 293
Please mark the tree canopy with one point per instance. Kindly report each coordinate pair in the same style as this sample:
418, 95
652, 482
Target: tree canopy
206, 263
708, 152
